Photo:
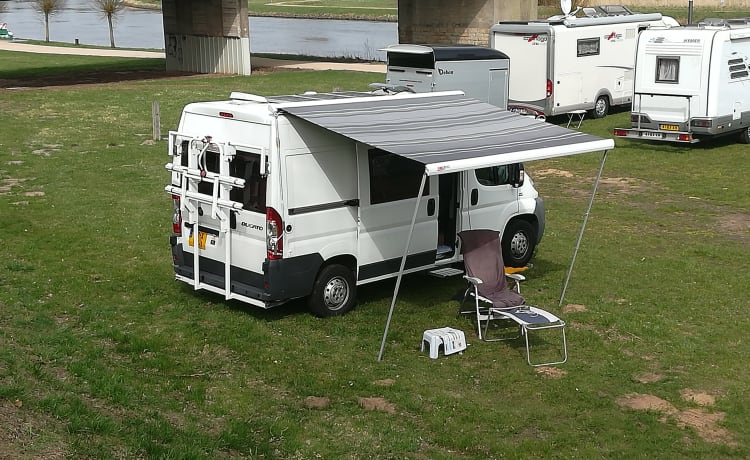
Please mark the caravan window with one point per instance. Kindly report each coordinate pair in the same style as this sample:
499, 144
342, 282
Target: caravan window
667, 69
588, 47
393, 177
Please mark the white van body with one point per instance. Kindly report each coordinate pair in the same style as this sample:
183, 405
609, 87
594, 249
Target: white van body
280, 208
692, 82
478, 71
567, 63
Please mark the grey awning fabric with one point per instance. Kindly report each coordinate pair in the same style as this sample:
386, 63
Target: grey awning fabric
447, 132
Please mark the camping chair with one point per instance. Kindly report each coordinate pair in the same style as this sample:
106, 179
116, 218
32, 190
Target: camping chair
494, 299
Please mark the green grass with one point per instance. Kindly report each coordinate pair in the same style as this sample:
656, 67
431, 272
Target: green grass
104, 355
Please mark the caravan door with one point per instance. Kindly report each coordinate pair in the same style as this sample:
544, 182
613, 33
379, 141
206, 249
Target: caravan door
388, 189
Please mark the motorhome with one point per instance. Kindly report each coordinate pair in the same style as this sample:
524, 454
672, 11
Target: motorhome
692, 82
568, 63
285, 197
478, 71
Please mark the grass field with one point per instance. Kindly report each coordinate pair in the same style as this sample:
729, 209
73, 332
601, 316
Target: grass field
103, 355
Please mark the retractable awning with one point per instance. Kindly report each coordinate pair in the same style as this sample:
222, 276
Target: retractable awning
448, 132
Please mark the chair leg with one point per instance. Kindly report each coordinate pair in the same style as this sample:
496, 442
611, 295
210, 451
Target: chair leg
564, 356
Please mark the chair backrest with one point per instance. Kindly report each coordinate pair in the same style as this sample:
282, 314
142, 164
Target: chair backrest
483, 258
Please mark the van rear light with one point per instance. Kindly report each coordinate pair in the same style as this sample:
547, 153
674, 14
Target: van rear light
549, 88
685, 138
620, 132
701, 123
274, 234
176, 215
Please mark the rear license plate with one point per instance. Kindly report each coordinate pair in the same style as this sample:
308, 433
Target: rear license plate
651, 134
202, 237
669, 127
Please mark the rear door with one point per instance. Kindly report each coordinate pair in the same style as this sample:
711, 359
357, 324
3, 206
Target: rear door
528, 63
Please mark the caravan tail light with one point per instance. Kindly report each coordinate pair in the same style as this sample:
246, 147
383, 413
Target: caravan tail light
685, 137
549, 88
274, 234
620, 132
701, 123
176, 215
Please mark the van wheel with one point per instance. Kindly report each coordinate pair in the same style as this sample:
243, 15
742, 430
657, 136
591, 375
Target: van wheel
518, 243
334, 292
745, 135
601, 108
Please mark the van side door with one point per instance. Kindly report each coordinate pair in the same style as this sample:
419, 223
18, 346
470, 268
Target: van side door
388, 189
490, 199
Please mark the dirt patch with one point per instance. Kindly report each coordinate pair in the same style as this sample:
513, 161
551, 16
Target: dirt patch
706, 424
574, 308
20, 432
552, 172
317, 402
384, 382
698, 397
377, 404
10, 182
552, 372
649, 377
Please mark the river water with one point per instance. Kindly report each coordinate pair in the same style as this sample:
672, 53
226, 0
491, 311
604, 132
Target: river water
138, 28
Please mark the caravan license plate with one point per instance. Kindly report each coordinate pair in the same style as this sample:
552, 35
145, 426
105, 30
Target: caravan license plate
202, 236
669, 127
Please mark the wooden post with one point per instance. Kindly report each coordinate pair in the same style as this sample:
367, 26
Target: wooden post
156, 116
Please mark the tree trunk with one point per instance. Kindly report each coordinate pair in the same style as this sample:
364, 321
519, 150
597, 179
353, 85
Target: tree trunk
111, 30
46, 27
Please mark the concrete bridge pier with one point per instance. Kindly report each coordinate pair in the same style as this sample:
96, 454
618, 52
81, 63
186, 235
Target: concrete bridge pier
207, 36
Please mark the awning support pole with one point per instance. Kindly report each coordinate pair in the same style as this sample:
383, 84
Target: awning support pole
403, 264
583, 227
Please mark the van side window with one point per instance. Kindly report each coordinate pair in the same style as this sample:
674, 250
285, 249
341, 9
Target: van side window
393, 177
588, 47
667, 69
253, 196
494, 175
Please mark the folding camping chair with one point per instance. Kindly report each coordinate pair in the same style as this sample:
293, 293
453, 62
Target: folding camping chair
494, 300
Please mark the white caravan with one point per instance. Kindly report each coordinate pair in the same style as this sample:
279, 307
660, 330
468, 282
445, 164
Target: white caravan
692, 82
568, 63
478, 71
311, 195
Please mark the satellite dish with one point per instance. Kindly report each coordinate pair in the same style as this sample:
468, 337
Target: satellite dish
565, 6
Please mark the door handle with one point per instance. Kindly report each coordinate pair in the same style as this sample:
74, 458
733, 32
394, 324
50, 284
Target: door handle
474, 196
431, 207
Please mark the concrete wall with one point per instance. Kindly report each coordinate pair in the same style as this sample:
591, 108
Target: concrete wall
207, 36
457, 21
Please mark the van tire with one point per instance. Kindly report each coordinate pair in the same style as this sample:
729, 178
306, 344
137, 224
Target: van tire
745, 135
601, 108
334, 292
518, 243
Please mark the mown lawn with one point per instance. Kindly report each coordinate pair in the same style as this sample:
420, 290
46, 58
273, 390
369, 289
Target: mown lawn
104, 355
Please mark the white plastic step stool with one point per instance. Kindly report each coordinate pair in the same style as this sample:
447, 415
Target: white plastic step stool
452, 340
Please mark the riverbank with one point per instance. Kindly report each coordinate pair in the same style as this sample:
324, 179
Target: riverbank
293, 15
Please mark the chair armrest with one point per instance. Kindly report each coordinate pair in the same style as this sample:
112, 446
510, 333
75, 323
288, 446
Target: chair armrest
515, 276
473, 280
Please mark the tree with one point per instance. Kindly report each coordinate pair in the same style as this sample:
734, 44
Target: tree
110, 9
48, 8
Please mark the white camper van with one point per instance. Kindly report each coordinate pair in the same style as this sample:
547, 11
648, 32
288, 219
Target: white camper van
692, 82
478, 71
568, 63
311, 195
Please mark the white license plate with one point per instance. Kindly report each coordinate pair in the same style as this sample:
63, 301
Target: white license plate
650, 134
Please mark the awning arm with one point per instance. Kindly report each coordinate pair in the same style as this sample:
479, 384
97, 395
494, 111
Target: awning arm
403, 264
583, 227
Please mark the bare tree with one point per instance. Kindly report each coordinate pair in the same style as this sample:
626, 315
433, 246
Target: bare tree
48, 8
110, 9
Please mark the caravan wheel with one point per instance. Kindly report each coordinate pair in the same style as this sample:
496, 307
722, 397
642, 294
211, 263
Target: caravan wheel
518, 243
745, 135
601, 108
334, 291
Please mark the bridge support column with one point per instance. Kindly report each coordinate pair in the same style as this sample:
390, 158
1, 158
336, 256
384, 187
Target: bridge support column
457, 21
207, 36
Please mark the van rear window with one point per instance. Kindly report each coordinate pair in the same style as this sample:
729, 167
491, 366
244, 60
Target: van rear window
246, 166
